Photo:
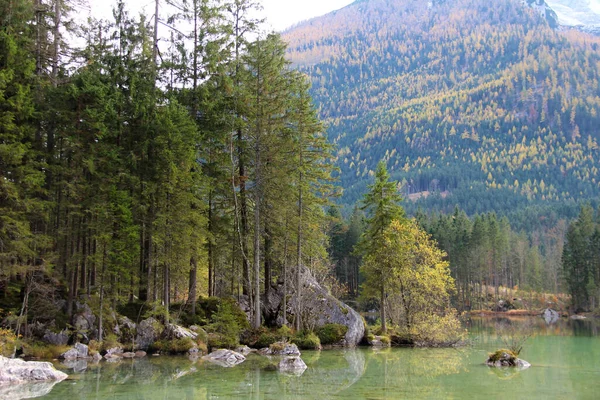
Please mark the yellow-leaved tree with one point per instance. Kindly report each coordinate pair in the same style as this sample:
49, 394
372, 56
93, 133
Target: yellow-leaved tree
407, 264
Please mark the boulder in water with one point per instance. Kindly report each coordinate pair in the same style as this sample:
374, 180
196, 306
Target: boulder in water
292, 365
506, 358
14, 371
78, 351
225, 358
550, 316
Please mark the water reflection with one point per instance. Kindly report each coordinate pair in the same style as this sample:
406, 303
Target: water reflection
564, 359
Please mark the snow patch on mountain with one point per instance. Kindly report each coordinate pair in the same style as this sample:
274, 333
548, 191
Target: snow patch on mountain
584, 14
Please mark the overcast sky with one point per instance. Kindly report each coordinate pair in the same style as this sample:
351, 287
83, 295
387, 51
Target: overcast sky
280, 14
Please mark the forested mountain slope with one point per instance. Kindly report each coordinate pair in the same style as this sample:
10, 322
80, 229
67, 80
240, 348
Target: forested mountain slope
482, 102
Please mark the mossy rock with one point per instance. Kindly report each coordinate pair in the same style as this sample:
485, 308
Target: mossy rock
506, 358
331, 333
307, 341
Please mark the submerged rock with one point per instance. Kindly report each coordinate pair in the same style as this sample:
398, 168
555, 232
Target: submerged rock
225, 358
292, 365
18, 371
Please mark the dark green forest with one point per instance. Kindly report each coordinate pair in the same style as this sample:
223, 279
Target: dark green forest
174, 157
133, 171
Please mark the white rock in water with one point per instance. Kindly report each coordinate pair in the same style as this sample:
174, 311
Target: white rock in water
293, 365
225, 358
18, 371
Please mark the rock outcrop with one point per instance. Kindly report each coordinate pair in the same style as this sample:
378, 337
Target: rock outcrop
59, 339
225, 358
318, 308
173, 332
148, 332
13, 371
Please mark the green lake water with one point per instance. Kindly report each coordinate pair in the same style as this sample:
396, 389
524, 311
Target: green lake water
565, 360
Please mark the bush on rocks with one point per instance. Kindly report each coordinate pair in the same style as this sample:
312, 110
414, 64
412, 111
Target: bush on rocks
307, 341
331, 333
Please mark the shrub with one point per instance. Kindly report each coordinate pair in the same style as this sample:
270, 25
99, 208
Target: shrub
498, 354
176, 346
43, 351
8, 342
331, 333
437, 330
265, 339
285, 332
228, 323
277, 346
307, 341
110, 341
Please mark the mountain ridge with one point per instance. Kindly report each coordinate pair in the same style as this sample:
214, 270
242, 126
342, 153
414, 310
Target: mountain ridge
483, 101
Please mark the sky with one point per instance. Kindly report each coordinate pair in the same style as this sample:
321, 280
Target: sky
279, 14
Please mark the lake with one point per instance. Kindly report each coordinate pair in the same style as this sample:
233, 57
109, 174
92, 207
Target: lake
565, 359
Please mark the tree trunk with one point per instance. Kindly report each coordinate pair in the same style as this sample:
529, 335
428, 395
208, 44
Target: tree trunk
382, 310
298, 323
193, 284
100, 320
268, 260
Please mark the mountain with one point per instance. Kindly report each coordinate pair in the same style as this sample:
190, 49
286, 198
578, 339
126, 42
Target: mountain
582, 14
476, 104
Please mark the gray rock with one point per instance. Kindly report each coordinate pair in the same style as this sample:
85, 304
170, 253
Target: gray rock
78, 351
128, 354
125, 329
577, 317
225, 358
292, 365
508, 360
57, 339
317, 305
84, 319
148, 332
173, 332
96, 357
18, 371
281, 349
550, 316
245, 350
140, 354
115, 352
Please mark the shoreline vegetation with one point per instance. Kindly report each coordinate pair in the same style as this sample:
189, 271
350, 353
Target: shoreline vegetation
183, 203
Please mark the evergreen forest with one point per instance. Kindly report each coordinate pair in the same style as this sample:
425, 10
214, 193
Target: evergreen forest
417, 159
